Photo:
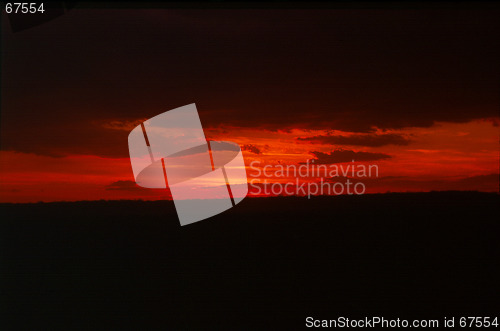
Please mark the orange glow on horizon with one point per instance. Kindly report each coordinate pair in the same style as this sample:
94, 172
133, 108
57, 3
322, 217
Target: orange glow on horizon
446, 156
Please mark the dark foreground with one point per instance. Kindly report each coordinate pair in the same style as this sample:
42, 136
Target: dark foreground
266, 264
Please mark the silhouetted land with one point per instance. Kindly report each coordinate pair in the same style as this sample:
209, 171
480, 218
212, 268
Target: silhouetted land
267, 263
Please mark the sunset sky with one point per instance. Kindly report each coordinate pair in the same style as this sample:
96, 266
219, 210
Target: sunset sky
415, 92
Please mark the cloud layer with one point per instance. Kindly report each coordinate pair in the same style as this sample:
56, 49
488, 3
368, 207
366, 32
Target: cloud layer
341, 156
368, 140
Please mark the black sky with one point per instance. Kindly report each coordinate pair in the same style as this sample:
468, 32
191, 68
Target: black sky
344, 69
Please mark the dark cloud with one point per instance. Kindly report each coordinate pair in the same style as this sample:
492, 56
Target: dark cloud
481, 183
251, 148
370, 140
341, 156
350, 70
135, 191
124, 185
484, 183
56, 139
130, 190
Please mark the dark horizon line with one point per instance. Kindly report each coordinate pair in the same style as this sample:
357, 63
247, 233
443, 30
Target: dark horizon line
463, 192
